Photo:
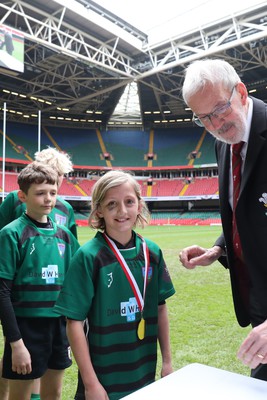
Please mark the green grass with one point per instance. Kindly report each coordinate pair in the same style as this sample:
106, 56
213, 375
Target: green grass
203, 326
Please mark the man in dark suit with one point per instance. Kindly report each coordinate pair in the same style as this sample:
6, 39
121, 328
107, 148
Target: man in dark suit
220, 103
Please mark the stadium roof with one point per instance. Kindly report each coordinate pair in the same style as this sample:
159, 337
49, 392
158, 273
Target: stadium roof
79, 58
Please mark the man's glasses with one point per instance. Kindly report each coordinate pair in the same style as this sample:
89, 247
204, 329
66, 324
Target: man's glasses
220, 112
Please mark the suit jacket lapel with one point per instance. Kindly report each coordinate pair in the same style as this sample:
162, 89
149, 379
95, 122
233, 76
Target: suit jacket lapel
256, 140
223, 170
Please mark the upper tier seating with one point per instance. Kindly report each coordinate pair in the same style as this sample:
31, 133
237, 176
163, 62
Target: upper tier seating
127, 148
113, 148
175, 147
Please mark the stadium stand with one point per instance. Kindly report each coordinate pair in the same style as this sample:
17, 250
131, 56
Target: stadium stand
10, 182
202, 186
81, 144
186, 218
175, 146
87, 147
68, 188
167, 187
22, 141
86, 185
127, 148
151, 154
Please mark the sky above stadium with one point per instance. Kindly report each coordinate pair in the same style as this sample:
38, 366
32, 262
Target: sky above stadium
164, 19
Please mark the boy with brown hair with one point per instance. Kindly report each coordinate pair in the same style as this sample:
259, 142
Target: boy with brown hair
35, 256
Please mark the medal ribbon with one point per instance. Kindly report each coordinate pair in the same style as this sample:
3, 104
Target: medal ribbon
131, 279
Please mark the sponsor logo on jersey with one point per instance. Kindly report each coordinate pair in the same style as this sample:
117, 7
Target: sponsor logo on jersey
61, 219
50, 274
129, 309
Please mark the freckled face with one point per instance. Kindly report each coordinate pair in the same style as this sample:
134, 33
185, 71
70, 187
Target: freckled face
120, 209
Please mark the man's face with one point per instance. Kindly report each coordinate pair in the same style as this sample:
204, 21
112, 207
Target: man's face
228, 126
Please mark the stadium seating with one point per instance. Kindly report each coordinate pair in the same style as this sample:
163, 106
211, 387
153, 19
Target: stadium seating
10, 182
128, 149
175, 147
202, 186
167, 187
186, 218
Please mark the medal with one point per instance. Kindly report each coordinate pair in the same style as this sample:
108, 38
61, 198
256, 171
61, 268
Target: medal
139, 298
141, 329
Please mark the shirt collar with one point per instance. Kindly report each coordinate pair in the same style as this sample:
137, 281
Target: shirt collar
249, 119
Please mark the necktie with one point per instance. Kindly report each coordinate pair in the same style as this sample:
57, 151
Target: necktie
236, 172
240, 267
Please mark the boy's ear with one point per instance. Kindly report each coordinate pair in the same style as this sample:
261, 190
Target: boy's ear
22, 196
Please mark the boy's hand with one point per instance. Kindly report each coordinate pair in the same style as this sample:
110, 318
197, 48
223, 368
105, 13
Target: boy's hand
166, 369
21, 359
96, 393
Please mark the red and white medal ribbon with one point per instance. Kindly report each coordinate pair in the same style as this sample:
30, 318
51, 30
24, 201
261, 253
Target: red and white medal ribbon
131, 279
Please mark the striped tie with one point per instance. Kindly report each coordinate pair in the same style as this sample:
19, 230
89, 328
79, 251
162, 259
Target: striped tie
236, 171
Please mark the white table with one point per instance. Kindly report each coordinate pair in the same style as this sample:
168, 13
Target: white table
197, 382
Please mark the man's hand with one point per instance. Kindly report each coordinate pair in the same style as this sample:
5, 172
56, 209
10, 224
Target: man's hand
253, 350
192, 256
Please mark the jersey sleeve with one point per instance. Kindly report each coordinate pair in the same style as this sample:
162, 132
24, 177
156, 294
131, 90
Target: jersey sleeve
8, 209
9, 254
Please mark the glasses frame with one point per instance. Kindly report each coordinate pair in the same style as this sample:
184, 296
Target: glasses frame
219, 112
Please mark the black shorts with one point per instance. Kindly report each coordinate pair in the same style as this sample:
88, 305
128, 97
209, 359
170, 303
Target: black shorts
47, 343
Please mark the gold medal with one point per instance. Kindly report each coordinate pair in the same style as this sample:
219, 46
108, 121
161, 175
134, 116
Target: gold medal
138, 296
141, 329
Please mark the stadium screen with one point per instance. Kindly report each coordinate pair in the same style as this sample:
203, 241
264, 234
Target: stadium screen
11, 50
